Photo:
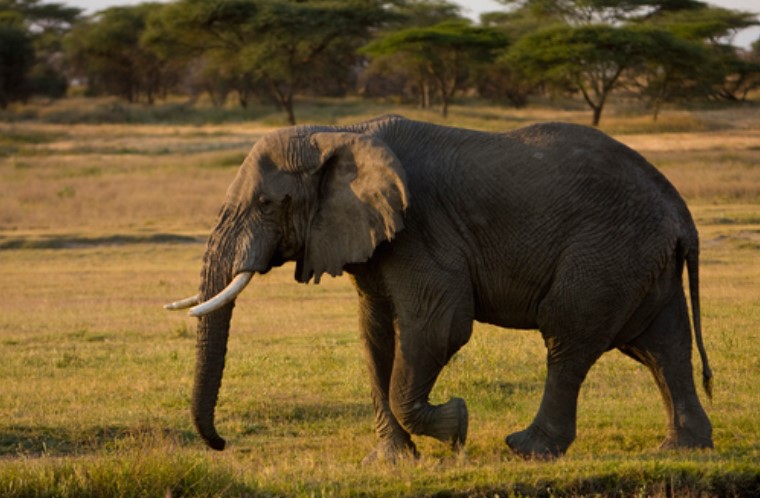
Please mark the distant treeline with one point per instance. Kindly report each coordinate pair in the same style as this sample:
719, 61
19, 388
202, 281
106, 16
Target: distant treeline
421, 51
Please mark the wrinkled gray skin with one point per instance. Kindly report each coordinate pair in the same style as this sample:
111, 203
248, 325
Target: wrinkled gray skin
554, 227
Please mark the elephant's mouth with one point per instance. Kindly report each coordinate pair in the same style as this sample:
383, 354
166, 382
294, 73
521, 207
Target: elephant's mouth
199, 308
224, 297
278, 259
242, 278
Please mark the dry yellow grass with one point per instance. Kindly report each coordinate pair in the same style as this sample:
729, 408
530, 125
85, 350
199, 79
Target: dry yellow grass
723, 140
115, 177
97, 376
706, 166
61, 178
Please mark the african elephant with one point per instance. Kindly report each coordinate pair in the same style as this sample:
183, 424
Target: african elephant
555, 227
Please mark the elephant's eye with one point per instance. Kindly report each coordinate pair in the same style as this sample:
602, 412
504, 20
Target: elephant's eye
265, 203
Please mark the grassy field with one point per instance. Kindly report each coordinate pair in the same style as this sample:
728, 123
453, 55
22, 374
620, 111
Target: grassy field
101, 224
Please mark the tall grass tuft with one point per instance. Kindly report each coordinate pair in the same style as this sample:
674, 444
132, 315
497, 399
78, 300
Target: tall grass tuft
131, 474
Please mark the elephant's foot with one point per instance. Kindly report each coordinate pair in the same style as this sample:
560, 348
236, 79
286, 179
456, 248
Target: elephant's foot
447, 422
535, 443
450, 423
693, 432
680, 443
392, 451
686, 440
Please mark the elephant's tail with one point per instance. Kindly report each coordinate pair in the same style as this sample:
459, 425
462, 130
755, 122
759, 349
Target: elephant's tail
692, 267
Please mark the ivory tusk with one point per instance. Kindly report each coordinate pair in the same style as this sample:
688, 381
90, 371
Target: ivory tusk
183, 303
227, 295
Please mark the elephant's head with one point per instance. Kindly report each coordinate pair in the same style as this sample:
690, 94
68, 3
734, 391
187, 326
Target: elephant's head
323, 199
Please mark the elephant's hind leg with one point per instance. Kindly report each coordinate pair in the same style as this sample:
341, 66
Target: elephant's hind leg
578, 318
665, 348
554, 427
376, 321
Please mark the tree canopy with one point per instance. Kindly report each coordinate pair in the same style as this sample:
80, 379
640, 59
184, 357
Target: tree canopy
16, 57
441, 55
289, 47
30, 42
590, 59
660, 47
108, 51
274, 51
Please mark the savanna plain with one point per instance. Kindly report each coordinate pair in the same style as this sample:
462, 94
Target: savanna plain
101, 224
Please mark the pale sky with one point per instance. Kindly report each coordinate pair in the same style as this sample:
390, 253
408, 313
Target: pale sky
473, 8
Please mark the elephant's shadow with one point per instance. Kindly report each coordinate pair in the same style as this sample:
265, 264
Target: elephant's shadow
273, 418
34, 441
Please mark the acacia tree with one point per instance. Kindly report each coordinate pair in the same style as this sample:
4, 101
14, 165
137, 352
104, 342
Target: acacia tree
441, 55
729, 73
673, 64
108, 52
288, 45
503, 82
399, 74
670, 70
210, 65
741, 75
746, 74
589, 59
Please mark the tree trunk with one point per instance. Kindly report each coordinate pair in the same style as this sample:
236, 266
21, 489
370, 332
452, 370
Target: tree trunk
424, 97
243, 98
288, 104
656, 112
601, 97
285, 99
597, 115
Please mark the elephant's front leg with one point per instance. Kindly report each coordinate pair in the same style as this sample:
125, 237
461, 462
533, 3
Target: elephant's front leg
425, 344
376, 323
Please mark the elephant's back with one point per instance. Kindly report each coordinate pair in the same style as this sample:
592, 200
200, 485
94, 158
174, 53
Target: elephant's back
570, 195
581, 150
565, 178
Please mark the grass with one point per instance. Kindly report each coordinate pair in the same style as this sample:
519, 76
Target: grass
102, 224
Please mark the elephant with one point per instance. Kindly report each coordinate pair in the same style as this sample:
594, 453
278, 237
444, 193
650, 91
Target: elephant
554, 227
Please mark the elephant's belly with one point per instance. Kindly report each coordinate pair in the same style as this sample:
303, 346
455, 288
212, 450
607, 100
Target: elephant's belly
505, 301
512, 319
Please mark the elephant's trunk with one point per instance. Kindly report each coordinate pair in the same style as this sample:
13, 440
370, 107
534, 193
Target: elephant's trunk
211, 345
211, 348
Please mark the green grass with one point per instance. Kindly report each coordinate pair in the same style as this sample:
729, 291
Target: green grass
96, 375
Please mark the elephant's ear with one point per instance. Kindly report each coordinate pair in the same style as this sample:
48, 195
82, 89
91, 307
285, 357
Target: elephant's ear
362, 195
